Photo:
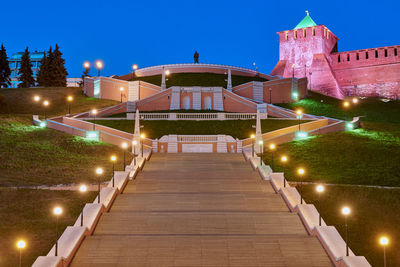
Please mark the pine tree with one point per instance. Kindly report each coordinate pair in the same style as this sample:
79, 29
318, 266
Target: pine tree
43, 75
58, 71
25, 72
5, 71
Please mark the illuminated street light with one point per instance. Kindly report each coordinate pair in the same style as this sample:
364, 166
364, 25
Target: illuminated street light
301, 172
284, 159
272, 148
122, 91
320, 189
21, 244
384, 241
167, 72
346, 104
57, 212
134, 67
69, 99
86, 65
36, 98
142, 136
113, 159
261, 143
94, 112
82, 189
253, 138
299, 114
134, 152
45, 104
99, 172
355, 100
346, 212
124, 146
99, 65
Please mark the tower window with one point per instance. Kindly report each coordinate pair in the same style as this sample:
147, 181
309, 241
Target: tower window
358, 56
304, 33
338, 58
286, 36
366, 55
376, 53
395, 52
313, 31
348, 57
295, 34
386, 54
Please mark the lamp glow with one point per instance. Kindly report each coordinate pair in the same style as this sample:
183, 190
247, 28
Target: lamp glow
167, 72
384, 241
252, 136
36, 98
134, 66
346, 104
355, 100
134, 142
121, 89
284, 159
299, 112
124, 145
99, 64
113, 158
86, 65
142, 136
260, 142
320, 188
21, 244
46, 103
272, 146
349, 125
295, 95
43, 124
99, 171
83, 188
94, 111
70, 98
346, 211
300, 171
57, 211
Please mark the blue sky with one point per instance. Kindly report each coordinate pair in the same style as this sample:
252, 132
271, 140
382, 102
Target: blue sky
160, 32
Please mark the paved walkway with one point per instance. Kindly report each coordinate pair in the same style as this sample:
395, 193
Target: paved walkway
200, 210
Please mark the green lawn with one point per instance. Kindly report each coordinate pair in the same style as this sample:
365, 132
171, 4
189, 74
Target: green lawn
20, 101
237, 128
374, 212
27, 214
199, 79
31, 155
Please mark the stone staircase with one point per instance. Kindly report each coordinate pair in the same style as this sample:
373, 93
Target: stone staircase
131, 106
218, 101
175, 99
258, 91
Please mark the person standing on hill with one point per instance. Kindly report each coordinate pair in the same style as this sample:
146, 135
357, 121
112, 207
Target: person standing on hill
196, 57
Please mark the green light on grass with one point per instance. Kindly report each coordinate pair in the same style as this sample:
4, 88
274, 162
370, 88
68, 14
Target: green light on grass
295, 95
301, 135
43, 124
92, 135
349, 126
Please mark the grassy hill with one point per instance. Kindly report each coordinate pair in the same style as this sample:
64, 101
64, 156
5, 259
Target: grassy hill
199, 79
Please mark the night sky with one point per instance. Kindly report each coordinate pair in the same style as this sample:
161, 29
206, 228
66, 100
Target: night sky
162, 32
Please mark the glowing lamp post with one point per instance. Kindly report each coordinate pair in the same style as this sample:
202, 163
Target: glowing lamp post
261, 143
45, 104
121, 89
253, 137
36, 98
320, 189
21, 244
142, 136
134, 67
384, 241
57, 212
94, 112
99, 172
86, 65
113, 159
284, 159
134, 152
82, 189
346, 212
124, 146
299, 114
301, 173
272, 148
69, 99
354, 100
99, 66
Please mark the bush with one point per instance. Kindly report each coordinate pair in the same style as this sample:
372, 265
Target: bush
3, 104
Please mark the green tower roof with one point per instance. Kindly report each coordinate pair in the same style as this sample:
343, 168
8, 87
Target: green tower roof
306, 22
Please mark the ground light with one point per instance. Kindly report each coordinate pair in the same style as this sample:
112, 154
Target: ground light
82, 189
384, 241
21, 244
253, 137
99, 172
43, 124
124, 146
349, 126
113, 159
295, 95
69, 99
57, 212
284, 159
134, 152
320, 189
92, 135
301, 135
301, 172
261, 143
346, 212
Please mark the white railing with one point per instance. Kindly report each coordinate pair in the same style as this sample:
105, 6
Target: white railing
194, 116
197, 138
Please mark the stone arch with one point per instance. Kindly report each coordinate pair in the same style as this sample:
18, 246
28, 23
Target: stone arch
186, 102
207, 103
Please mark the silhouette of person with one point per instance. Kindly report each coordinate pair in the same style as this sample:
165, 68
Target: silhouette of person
196, 57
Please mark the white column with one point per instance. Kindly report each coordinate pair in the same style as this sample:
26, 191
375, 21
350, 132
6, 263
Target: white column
136, 134
259, 138
229, 86
163, 84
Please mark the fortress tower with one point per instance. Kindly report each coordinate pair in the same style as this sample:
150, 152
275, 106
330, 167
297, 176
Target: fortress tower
311, 51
